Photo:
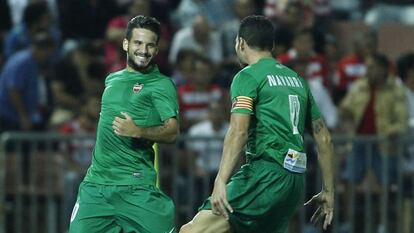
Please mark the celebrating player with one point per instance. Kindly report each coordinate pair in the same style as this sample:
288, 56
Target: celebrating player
271, 108
139, 107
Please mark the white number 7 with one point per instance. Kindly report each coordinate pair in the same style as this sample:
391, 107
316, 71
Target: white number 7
294, 107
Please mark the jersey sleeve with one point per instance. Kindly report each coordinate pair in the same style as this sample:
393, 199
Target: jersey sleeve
243, 93
165, 101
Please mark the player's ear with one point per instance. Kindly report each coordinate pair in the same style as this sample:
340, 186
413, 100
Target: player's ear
125, 45
242, 43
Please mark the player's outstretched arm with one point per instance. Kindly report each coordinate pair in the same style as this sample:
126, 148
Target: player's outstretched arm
324, 199
166, 133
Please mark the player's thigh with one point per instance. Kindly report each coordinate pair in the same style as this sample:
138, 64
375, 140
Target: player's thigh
92, 213
94, 225
207, 222
145, 209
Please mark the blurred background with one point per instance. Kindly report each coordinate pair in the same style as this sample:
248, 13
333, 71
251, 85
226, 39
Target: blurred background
357, 56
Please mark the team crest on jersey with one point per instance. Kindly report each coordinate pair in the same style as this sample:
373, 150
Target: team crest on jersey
137, 87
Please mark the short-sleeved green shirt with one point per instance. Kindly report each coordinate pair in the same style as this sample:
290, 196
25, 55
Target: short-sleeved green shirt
281, 105
149, 98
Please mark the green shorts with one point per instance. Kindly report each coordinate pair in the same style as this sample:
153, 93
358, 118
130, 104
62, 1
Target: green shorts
123, 208
264, 197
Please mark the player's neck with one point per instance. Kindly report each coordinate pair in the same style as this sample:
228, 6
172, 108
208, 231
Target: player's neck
255, 56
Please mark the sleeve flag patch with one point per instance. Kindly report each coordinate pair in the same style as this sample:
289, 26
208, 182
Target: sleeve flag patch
243, 102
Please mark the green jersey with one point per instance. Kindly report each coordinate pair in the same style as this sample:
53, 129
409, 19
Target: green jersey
149, 98
281, 105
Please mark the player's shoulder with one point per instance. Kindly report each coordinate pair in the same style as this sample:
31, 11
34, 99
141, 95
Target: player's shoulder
113, 75
246, 72
166, 81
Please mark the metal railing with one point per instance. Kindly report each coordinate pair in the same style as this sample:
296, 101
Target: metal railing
38, 184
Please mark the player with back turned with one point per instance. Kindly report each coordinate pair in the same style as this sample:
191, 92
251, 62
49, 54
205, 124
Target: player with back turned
139, 107
271, 108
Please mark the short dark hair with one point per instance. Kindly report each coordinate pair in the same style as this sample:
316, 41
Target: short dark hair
381, 60
257, 31
34, 12
145, 22
304, 32
404, 64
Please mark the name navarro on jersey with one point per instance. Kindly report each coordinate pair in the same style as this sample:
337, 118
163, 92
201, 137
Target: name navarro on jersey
279, 80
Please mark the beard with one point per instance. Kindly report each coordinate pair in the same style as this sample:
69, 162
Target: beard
134, 65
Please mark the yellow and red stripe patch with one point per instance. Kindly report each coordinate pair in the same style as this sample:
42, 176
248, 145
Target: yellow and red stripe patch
243, 102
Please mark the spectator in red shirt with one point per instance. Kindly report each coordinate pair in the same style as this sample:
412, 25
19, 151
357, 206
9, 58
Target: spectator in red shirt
302, 50
351, 67
196, 95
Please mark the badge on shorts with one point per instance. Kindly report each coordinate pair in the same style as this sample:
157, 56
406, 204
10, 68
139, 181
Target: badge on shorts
295, 161
137, 87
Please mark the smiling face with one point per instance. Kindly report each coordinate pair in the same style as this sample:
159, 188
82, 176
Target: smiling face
141, 48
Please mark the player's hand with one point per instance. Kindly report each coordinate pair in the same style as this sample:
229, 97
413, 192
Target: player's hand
325, 202
219, 203
125, 127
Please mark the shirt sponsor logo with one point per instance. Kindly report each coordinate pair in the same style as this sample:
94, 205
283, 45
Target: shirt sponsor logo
137, 87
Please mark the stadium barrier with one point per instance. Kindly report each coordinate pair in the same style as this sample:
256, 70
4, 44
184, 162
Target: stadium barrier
40, 174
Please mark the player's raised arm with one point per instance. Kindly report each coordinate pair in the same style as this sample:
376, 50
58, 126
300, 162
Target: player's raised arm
324, 199
165, 133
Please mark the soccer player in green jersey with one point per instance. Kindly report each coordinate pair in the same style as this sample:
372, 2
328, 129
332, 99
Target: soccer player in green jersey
271, 108
139, 107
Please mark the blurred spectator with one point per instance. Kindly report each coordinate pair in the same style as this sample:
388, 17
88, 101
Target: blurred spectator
201, 38
194, 97
352, 67
332, 54
376, 106
23, 87
346, 10
396, 11
183, 67
36, 17
208, 152
283, 12
80, 19
77, 75
229, 30
17, 8
5, 25
284, 28
216, 12
302, 50
79, 150
406, 72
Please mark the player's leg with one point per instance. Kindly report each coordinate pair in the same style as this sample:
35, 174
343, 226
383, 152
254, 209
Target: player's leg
206, 222
144, 208
92, 213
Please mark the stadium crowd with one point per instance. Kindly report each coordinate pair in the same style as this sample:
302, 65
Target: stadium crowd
357, 57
